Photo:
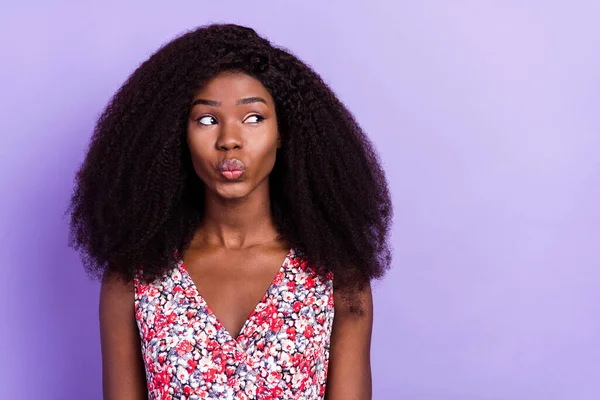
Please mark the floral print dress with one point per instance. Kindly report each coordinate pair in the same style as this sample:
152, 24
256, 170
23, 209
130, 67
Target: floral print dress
282, 351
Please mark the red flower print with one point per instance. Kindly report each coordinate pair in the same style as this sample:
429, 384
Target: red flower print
230, 370
271, 312
291, 332
183, 347
192, 364
172, 318
211, 345
178, 289
276, 324
241, 396
232, 381
239, 356
276, 392
309, 283
308, 332
210, 375
297, 306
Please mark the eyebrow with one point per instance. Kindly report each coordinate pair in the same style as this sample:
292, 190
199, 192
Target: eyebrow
245, 100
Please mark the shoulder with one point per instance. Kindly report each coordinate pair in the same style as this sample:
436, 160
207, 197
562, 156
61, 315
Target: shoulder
354, 302
116, 296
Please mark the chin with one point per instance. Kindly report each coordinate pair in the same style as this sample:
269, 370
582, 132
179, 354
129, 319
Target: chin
232, 190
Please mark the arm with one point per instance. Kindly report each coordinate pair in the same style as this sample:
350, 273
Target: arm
349, 373
123, 373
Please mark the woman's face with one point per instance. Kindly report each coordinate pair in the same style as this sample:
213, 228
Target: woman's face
232, 134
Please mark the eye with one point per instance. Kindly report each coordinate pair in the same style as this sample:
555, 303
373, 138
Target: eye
255, 119
206, 120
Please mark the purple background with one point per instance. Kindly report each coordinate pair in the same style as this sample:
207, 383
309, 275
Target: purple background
486, 115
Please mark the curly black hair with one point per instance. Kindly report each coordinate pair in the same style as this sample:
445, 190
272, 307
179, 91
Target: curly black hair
137, 198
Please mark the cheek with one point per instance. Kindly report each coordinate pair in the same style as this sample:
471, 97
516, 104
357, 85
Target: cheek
265, 158
199, 155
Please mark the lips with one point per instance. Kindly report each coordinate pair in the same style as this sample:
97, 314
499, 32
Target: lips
231, 168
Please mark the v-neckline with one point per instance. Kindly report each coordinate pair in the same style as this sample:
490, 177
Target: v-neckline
219, 325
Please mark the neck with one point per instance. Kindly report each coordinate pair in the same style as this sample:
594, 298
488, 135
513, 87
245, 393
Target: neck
237, 223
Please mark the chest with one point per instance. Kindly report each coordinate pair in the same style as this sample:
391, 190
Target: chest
238, 300
234, 285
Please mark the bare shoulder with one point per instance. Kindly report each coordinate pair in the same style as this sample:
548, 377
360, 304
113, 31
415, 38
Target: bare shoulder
349, 372
123, 373
116, 303
354, 302
114, 290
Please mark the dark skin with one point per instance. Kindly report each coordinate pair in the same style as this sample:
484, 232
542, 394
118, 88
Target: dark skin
235, 253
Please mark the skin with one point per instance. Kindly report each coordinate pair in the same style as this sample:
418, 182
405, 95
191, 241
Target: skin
235, 253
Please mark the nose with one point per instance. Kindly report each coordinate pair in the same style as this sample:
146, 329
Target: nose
229, 137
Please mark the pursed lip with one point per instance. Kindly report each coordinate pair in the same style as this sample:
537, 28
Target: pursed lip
231, 164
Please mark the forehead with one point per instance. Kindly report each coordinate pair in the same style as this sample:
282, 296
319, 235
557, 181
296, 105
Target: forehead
233, 86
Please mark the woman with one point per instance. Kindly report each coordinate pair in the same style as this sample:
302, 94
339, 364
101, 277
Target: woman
236, 214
